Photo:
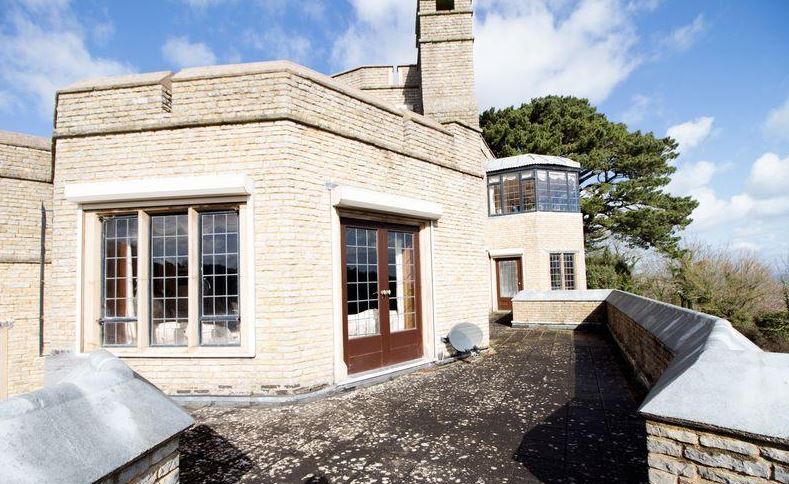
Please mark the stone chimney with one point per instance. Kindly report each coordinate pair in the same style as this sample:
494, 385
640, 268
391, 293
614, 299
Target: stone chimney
446, 60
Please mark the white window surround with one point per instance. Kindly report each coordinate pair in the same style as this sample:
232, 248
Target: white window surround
363, 199
498, 253
159, 189
140, 193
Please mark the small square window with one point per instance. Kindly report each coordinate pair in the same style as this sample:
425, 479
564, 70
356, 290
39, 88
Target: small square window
445, 5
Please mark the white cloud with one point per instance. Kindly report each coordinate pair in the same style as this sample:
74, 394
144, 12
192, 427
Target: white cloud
754, 218
180, 52
639, 107
692, 176
45, 48
777, 122
382, 33
522, 49
691, 133
529, 49
279, 44
684, 37
768, 176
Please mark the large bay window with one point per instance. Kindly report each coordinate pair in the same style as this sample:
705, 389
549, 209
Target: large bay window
533, 190
170, 280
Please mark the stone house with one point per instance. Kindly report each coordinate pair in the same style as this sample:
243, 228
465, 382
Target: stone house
265, 231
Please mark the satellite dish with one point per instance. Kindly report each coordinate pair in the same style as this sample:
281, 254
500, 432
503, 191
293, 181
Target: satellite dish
465, 337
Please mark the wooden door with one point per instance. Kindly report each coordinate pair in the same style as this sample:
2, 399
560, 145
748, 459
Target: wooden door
381, 299
509, 280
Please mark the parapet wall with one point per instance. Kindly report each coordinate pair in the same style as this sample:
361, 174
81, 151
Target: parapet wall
398, 85
718, 406
25, 188
246, 93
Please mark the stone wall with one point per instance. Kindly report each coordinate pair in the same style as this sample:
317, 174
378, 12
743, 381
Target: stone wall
647, 355
158, 466
679, 454
291, 131
446, 57
557, 313
25, 186
537, 235
718, 406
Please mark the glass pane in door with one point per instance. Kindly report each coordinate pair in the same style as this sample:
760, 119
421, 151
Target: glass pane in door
361, 268
508, 278
402, 281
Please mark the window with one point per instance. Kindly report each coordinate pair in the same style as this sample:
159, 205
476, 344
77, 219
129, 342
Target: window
530, 190
170, 280
562, 268
445, 5
219, 321
119, 281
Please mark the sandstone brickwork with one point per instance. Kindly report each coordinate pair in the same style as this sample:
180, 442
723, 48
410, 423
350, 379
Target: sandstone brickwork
25, 186
538, 234
159, 466
646, 354
558, 313
680, 454
446, 55
293, 132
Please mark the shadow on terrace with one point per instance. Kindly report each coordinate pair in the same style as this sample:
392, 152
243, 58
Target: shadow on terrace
542, 406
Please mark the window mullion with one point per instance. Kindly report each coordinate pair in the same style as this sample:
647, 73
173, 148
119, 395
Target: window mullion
143, 279
193, 335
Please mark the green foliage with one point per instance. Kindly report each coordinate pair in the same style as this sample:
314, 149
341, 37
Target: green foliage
776, 323
606, 269
624, 173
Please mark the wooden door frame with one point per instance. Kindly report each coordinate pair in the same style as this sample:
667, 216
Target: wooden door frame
383, 281
519, 270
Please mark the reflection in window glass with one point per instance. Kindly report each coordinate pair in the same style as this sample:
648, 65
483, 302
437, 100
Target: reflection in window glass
402, 281
220, 323
529, 191
361, 254
558, 190
119, 280
169, 279
543, 202
494, 196
512, 193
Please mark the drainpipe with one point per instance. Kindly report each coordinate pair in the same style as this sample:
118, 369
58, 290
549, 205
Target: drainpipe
41, 262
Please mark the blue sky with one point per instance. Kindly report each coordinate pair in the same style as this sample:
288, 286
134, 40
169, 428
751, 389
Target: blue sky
714, 74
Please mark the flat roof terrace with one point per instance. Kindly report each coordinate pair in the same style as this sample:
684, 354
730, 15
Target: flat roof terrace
541, 406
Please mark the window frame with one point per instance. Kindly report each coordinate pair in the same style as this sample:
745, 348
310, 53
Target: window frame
91, 272
563, 271
103, 319
202, 317
544, 203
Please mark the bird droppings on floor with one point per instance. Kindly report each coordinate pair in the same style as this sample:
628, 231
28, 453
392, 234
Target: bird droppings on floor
545, 406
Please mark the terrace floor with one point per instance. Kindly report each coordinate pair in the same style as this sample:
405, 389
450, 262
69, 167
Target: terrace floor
541, 406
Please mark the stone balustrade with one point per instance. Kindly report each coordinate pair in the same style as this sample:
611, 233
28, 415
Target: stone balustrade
718, 406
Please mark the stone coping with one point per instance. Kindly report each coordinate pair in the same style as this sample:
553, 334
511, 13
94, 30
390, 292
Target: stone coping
718, 379
94, 416
25, 140
559, 296
252, 68
117, 82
